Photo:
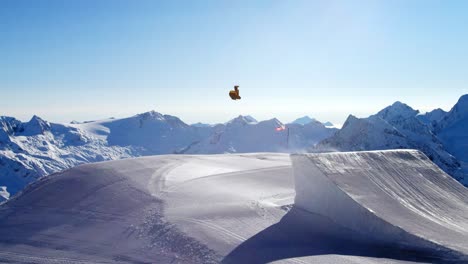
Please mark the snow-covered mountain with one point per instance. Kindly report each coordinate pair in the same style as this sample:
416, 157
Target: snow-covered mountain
36, 148
245, 134
432, 117
302, 137
241, 134
306, 120
29, 150
199, 124
396, 126
303, 120
242, 119
453, 131
151, 133
328, 124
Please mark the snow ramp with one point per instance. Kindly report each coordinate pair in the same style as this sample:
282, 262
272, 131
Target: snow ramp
394, 196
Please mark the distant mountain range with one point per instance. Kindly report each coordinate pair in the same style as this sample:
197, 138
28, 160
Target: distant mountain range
29, 150
442, 136
306, 120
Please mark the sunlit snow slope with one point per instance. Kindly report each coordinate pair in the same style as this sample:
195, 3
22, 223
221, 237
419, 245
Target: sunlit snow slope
395, 196
233, 209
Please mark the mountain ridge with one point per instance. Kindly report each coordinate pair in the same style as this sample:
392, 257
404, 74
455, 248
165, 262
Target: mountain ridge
32, 149
400, 126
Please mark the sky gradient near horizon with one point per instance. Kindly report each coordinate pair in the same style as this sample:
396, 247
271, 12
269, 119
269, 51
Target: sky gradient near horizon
84, 60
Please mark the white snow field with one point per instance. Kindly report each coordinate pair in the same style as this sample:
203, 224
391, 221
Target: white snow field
371, 207
394, 196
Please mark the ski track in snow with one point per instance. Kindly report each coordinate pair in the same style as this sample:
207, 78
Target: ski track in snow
239, 209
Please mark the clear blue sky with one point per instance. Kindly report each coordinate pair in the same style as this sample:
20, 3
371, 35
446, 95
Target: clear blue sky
83, 60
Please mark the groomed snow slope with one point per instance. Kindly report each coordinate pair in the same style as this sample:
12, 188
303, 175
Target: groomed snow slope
395, 196
201, 209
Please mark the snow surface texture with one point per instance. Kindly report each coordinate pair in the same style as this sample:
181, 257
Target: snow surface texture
37, 148
396, 196
236, 208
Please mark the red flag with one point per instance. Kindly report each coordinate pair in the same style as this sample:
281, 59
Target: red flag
281, 128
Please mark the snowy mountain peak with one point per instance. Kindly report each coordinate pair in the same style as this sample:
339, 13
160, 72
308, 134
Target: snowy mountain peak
436, 114
37, 119
9, 125
251, 119
397, 110
394, 127
242, 120
151, 115
433, 116
461, 107
304, 120
452, 129
463, 99
349, 121
275, 122
457, 115
36, 126
328, 124
174, 121
200, 124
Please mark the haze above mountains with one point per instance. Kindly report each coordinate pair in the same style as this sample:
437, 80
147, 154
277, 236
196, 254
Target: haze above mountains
29, 150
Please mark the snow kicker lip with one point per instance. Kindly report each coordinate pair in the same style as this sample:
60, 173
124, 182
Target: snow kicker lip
396, 196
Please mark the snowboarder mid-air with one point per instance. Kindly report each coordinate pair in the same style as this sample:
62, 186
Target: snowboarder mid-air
234, 94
